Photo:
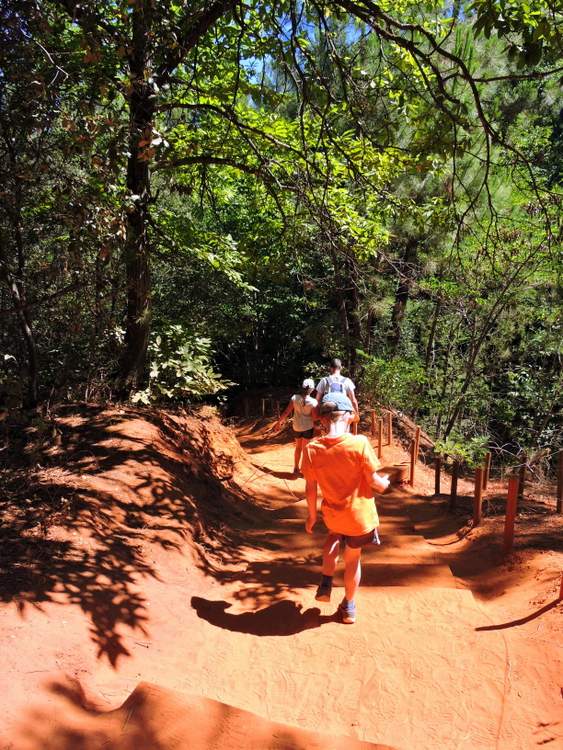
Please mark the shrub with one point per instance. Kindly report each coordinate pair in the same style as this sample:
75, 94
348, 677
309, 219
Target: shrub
396, 381
180, 368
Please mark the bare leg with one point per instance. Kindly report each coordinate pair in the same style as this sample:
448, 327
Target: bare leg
331, 550
352, 572
297, 455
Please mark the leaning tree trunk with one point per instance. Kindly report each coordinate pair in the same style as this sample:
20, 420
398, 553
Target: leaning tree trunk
30, 393
354, 315
402, 295
17, 293
136, 253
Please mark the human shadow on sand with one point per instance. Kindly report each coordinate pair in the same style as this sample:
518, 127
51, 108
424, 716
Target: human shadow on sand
281, 618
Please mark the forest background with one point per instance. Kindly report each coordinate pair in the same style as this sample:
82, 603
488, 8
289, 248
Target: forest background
202, 197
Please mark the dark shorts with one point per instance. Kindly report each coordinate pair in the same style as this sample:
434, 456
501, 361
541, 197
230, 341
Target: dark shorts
354, 542
306, 435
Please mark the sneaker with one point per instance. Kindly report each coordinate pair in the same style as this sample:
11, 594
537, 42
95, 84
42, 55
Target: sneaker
323, 592
347, 611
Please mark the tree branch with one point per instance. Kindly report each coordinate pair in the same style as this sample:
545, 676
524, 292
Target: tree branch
87, 18
193, 28
209, 159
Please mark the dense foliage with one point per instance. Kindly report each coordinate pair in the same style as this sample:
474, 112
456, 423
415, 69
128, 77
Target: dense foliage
200, 194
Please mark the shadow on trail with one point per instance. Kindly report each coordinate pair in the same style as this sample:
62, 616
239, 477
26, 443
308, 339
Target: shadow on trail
523, 620
76, 531
476, 554
281, 619
261, 440
102, 582
267, 583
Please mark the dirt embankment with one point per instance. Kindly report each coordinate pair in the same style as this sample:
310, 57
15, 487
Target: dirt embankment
88, 503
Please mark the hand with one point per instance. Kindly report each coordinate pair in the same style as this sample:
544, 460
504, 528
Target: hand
309, 523
381, 482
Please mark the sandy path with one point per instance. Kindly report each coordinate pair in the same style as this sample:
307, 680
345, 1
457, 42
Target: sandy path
412, 672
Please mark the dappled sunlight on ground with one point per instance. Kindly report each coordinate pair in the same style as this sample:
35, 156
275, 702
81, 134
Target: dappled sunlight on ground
156, 549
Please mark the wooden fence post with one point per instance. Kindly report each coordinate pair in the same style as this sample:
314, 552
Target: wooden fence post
437, 470
417, 441
511, 505
373, 420
453, 488
559, 507
522, 476
487, 472
263, 407
478, 497
389, 428
379, 438
413, 462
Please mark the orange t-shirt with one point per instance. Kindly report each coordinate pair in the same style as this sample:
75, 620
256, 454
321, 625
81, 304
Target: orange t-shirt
343, 468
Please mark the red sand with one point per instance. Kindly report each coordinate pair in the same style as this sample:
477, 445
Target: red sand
119, 595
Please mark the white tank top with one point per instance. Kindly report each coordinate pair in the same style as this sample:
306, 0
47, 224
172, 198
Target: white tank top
302, 408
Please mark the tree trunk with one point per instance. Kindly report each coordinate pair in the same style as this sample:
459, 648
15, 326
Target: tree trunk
142, 102
402, 295
348, 306
432, 336
354, 315
368, 331
341, 306
489, 323
17, 293
30, 393
452, 339
344, 322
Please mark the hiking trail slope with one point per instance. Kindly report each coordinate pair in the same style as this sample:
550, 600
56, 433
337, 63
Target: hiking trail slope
246, 632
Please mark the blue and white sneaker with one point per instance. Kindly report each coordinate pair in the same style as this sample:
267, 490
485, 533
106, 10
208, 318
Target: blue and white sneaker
347, 612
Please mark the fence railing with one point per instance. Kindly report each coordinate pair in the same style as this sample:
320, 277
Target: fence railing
515, 491
381, 428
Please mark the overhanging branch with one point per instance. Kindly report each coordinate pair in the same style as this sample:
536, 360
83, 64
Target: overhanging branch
194, 27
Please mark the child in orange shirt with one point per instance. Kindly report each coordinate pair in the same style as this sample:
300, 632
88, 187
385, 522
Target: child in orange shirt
344, 466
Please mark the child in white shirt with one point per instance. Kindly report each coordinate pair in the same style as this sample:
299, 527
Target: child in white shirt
301, 405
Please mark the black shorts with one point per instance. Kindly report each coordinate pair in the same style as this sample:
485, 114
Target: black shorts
354, 542
306, 435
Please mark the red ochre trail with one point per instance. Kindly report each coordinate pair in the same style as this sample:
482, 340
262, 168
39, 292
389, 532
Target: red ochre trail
202, 647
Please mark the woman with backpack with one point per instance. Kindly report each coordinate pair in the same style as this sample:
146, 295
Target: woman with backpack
301, 405
337, 383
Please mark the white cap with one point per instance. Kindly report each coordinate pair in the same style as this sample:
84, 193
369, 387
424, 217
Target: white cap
308, 383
